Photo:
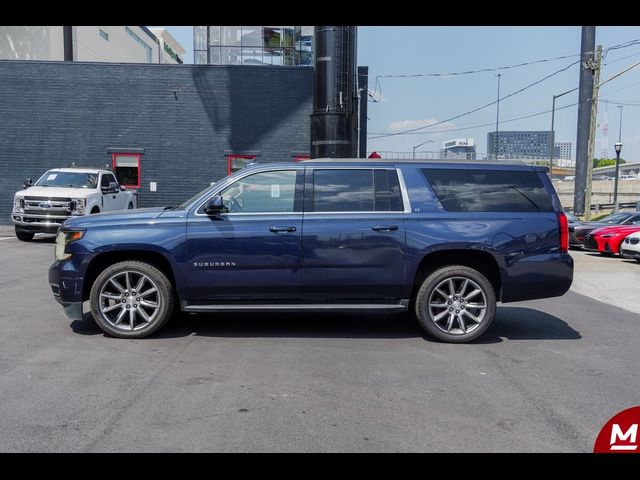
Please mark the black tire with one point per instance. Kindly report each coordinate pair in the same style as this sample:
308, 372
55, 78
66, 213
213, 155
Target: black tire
24, 236
94, 210
457, 273
130, 206
164, 299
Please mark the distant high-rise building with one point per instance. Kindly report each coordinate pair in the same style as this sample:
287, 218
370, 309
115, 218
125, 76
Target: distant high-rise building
562, 150
531, 144
460, 148
256, 45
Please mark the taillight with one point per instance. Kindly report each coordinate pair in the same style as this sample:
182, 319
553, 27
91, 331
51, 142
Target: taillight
563, 226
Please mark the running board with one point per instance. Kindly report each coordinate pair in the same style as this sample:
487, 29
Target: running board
388, 307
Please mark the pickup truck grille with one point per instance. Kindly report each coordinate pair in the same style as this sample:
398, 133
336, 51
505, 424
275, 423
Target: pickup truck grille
47, 206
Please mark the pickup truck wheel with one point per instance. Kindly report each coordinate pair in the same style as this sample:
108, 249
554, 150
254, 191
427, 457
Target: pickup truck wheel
94, 210
131, 299
455, 304
130, 206
24, 236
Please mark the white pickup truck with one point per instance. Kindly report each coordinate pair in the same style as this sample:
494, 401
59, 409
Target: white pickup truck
65, 192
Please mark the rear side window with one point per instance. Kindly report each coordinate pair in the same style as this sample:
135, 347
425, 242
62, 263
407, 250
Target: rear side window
361, 190
489, 190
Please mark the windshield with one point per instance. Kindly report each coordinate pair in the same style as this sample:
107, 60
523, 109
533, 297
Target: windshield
68, 179
615, 218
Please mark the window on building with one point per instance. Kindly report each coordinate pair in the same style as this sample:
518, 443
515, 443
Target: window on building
238, 162
362, 190
127, 168
489, 190
104, 34
272, 192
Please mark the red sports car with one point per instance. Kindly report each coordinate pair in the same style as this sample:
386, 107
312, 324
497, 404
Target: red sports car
607, 240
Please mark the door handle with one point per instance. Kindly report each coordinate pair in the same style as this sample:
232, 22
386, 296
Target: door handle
282, 229
384, 228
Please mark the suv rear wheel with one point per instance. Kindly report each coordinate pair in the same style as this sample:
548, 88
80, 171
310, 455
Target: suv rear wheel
131, 299
455, 304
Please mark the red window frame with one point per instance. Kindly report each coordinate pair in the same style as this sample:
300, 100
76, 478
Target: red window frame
230, 159
114, 166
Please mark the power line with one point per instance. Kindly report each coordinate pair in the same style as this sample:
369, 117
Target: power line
483, 106
480, 125
482, 70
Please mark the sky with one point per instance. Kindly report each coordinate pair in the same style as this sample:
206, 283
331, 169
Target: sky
406, 103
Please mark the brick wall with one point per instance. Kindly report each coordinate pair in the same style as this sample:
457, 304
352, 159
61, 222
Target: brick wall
55, 113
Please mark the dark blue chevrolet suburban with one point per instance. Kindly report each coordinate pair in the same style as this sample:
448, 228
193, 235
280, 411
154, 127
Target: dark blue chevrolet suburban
445, 240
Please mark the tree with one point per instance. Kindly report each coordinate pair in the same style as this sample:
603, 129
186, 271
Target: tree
605, 162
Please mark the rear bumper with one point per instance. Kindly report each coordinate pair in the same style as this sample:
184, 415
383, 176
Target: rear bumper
537, 276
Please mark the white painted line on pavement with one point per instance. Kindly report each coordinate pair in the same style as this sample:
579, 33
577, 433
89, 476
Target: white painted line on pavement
8, 238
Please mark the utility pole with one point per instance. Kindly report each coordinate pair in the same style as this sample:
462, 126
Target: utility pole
585, 92
495, 140
592, 133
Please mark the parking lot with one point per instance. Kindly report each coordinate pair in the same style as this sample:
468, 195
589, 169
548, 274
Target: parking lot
545, 377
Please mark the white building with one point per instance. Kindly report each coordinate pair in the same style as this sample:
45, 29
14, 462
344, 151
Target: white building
460, 148
170, 50
119, 44
562, 150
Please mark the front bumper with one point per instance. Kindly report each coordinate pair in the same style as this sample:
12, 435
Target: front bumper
38, 223
72, 310
66, 285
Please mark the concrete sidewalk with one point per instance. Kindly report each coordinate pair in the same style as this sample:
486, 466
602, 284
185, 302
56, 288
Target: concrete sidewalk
611, 280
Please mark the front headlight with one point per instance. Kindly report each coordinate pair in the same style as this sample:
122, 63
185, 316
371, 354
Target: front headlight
609, 235
78, 205
63, 239
18, 204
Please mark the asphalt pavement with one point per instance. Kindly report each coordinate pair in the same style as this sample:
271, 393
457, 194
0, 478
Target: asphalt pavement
545, 377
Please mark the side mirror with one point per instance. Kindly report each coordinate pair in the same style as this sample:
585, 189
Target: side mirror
28, 182
112, 188
123, 188
215, 205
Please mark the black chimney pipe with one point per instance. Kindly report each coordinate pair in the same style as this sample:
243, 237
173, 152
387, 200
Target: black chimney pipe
334, 121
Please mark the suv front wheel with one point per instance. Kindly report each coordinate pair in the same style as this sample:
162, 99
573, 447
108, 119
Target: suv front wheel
455, 304
131, 299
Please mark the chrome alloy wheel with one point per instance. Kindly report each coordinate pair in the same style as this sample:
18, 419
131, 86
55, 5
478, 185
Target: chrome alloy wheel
129, 300
457, 305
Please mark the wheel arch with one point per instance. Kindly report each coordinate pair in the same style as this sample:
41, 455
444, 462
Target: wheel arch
103, 260
478, 259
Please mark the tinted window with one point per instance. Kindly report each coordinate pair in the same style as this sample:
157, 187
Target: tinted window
489, 190
107, 178
362, 190
262, 192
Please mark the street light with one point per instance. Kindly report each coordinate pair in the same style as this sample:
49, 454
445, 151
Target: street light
419, 145
618, 147
553, 134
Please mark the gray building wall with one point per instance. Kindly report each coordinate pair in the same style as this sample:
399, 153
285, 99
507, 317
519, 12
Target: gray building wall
55, 113
520, 142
